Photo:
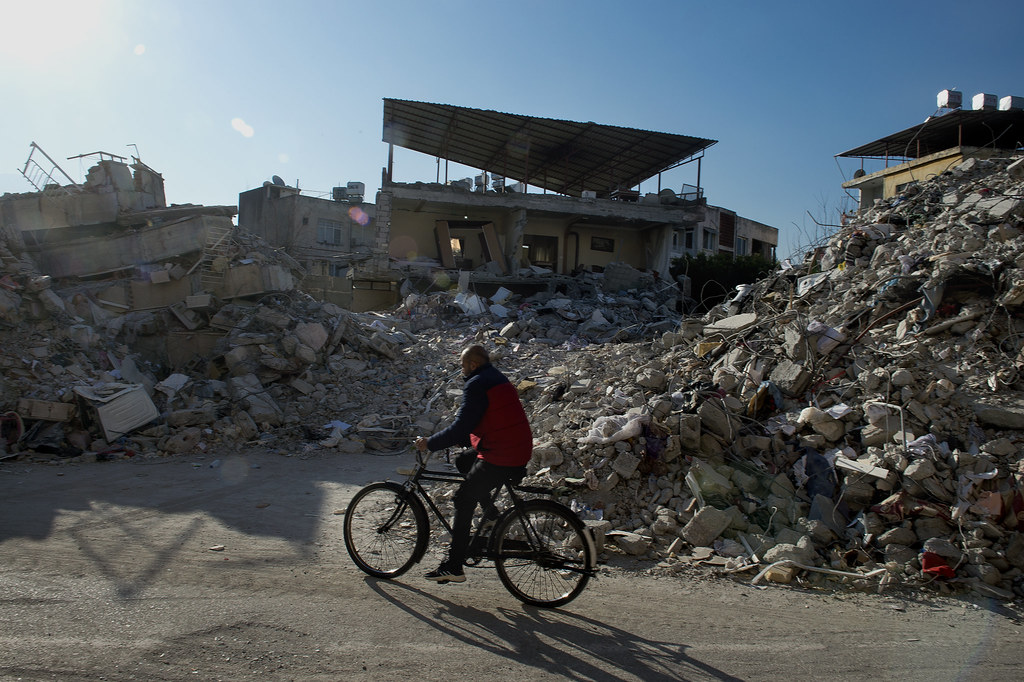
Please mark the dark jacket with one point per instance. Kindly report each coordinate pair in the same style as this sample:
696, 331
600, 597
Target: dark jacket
491, 419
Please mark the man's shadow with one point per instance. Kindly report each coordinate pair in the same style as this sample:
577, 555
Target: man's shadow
556, 641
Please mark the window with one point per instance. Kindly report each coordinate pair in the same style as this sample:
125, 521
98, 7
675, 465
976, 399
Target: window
541, 250
602, 244
328, 231
337, 270
741, 246
688, 241
710, 240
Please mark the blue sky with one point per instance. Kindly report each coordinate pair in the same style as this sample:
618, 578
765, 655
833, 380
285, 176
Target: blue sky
220, 95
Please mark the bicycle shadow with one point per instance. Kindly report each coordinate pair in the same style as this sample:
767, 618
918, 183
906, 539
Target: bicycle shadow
559, 642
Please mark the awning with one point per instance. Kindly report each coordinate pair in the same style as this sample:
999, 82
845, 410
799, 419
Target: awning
566, 157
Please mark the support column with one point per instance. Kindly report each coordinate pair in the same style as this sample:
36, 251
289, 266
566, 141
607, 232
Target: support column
382, 241
514, 244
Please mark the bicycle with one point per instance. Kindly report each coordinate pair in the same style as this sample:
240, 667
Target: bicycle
542, 551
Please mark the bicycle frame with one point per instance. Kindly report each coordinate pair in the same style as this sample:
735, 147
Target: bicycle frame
421, 473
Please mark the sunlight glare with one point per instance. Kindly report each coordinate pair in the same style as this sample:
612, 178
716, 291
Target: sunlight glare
242, 127
39, 34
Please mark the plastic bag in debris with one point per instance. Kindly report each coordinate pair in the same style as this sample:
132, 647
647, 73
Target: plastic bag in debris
615, 428
471, 304
928, 445
585, 511
828, 338
808, 282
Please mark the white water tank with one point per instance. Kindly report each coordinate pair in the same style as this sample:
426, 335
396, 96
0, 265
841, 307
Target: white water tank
950, 99
984, 102
1011, 103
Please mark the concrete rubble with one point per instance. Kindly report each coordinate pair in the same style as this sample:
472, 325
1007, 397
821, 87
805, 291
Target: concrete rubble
856, 417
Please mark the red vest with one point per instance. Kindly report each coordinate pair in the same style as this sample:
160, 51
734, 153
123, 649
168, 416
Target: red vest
503, 436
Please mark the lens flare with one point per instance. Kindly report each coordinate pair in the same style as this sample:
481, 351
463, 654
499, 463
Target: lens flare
242, 127
358, 215
403, 247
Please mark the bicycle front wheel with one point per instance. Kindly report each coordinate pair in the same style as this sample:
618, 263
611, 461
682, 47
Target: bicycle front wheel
543, 553
386, 529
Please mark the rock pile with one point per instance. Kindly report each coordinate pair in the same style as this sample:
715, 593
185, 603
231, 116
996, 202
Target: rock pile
861, 413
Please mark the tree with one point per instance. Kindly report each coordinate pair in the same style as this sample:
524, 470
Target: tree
714, 278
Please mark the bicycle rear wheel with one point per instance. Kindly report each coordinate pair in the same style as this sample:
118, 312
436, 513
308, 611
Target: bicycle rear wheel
544, 554
386, 529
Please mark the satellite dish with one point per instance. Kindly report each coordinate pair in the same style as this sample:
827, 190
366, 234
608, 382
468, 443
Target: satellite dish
278, 181
859, 173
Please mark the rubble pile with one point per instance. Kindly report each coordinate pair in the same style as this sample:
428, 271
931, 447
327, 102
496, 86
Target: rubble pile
616, 305
862, 411
859, 415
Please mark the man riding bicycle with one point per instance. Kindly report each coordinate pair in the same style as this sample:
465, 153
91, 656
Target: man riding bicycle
492, 421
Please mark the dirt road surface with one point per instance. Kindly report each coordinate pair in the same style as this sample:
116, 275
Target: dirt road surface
234, 569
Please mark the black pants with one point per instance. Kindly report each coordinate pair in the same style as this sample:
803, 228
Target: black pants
481, 480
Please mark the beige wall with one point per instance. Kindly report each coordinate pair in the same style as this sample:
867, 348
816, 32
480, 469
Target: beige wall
628, 246
919, 173
412, 236
918, 170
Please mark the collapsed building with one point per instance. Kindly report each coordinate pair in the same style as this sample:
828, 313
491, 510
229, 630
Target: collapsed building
149, 291
589, 211
858, 415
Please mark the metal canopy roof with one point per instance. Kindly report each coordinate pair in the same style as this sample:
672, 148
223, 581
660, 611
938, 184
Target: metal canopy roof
561, 156
959, 128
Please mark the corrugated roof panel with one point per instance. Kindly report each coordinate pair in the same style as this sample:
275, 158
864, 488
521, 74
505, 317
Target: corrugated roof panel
960, 128
567, 157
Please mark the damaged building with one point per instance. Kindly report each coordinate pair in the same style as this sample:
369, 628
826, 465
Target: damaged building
121, 254
855, 419
589, 211
335, 240
992, 127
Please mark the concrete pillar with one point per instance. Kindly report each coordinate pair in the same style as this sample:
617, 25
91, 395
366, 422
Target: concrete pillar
382, 221
514, 243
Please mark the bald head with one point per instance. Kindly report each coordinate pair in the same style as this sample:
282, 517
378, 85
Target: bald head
473, 358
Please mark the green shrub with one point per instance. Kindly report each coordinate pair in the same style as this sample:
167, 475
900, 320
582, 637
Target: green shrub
715, 278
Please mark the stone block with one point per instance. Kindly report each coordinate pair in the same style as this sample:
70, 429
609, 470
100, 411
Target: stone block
731, 325
919, 469
311, 334
631, 543
250, 393
625, 464
897, 536
803, 555
598, 530
716, 420
790, 378
547, 455
510, 330
1015, 550
705, 526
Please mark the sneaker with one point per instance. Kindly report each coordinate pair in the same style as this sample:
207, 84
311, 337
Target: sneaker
446, 574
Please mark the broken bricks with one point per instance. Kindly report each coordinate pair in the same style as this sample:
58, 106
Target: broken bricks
893, 353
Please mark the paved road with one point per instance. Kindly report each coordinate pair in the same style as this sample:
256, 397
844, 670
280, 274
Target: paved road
108, 571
